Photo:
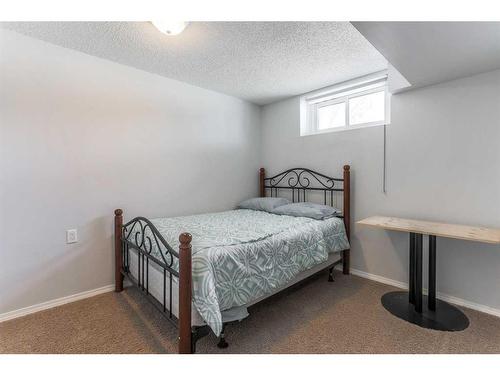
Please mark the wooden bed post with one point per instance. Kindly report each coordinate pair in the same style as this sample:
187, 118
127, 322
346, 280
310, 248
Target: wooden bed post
118, 250
262, 176
347, 218
185, 277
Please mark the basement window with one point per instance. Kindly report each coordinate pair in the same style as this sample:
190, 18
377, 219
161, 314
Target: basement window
354, 104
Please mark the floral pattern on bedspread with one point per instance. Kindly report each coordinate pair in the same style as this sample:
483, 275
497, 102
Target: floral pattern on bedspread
241, 255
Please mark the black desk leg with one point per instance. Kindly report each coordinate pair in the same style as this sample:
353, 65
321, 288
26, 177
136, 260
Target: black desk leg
432, 273
412, 306
418, 273
411, 270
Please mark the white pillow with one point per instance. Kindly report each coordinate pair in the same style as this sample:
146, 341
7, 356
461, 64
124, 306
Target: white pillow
263, 204
307, 209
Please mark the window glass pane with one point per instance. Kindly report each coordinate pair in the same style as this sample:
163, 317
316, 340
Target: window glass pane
367, 108
331, 116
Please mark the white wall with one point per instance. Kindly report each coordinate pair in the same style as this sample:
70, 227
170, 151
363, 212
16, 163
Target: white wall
81, 136
443, 163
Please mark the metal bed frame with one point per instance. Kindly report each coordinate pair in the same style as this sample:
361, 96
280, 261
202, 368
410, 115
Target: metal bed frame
141, 236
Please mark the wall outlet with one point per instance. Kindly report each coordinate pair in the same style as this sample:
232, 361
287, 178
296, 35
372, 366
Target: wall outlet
71, 236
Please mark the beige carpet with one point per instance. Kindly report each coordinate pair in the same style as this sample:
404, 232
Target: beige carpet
319, 317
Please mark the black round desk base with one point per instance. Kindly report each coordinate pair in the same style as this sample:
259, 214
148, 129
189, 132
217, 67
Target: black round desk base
445, 318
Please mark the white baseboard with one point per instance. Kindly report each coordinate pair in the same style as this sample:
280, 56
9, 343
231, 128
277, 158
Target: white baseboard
55, 302
441, 296
109, 288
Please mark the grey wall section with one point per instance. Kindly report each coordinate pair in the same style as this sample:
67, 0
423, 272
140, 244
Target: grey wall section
81, 136
443, 164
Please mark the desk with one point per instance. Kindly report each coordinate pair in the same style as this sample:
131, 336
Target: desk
413, 306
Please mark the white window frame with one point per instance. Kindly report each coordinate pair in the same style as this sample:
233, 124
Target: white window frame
342, 93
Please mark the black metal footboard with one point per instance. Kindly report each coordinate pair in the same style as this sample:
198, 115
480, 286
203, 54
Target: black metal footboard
140, 237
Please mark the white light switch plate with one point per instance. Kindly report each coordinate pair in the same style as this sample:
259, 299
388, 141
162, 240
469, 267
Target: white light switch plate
71, 236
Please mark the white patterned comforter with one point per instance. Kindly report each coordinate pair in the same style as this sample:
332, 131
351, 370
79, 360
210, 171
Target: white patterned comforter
241, 255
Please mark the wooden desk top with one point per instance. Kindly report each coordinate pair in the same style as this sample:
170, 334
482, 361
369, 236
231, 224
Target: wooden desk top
462, 232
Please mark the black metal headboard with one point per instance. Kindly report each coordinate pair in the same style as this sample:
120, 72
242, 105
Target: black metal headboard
300, 180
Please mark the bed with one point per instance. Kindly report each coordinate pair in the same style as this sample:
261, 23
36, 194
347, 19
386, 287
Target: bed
204, 271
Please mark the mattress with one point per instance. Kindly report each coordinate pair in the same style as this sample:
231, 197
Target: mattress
242, 256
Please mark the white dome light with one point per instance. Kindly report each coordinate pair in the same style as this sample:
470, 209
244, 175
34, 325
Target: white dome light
170, 27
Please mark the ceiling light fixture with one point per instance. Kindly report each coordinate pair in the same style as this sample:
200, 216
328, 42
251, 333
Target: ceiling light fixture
170, 27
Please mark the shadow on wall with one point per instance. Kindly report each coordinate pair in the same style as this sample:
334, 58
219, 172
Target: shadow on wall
363, 241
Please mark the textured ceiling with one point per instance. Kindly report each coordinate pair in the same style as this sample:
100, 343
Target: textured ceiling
431, 52
260, 62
